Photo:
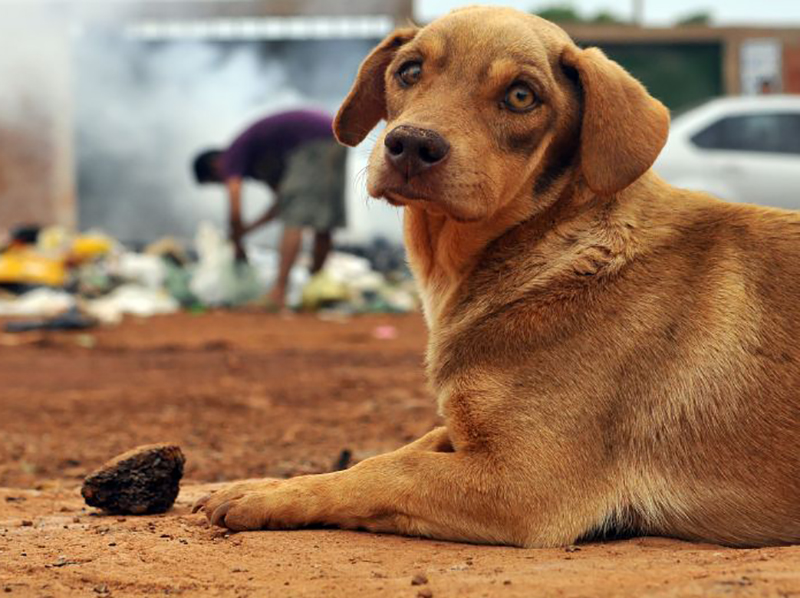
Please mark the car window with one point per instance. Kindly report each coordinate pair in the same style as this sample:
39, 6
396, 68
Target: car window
767, 132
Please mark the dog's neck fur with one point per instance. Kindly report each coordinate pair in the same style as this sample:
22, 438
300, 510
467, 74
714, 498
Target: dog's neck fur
443, 252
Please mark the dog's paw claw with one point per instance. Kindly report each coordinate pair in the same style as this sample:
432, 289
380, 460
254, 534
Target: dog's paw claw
200, 503
218, 516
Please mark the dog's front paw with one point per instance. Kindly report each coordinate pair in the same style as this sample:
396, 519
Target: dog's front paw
242, 506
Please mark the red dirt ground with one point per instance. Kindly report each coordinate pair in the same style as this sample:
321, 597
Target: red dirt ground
251, 395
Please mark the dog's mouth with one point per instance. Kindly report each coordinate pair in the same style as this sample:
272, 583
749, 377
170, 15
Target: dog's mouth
432, 206
400, 198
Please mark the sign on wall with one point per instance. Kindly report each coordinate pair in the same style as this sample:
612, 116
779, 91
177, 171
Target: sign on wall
760, 66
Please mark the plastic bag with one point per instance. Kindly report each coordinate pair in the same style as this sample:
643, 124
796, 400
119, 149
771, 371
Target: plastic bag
218, 279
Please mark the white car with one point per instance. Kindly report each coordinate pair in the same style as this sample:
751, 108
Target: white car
742, 149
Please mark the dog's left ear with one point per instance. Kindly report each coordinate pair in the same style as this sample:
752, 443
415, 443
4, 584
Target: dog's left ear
624, 127
365, 105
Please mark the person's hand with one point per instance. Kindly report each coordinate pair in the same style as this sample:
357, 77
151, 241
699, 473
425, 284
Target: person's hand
239, 252
237, 233
238, 247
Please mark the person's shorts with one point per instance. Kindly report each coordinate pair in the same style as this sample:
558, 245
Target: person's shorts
311, 193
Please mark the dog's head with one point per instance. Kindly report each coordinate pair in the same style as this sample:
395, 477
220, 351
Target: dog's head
488, 106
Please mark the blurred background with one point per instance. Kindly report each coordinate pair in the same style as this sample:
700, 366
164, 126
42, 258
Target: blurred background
102, 104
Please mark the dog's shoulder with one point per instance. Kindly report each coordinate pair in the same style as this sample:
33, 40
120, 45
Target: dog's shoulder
543, 281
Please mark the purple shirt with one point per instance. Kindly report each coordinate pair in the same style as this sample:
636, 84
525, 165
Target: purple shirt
263, 150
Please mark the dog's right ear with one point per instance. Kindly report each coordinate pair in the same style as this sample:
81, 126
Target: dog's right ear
365, 105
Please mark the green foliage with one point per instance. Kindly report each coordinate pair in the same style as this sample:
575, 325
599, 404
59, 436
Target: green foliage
565, 13
560, 14
605, 17
694, 19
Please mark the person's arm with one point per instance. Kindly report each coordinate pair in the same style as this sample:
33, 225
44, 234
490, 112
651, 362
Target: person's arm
234, 185
268, 216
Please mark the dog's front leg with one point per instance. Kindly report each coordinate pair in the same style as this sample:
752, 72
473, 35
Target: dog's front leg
424, 489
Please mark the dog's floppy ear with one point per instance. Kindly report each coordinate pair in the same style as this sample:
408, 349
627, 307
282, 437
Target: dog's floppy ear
624, 127
365, 105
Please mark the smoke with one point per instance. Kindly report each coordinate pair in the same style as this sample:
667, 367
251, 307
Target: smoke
145, 108
86, 106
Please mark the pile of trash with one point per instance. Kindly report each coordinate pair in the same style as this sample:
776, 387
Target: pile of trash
55, 279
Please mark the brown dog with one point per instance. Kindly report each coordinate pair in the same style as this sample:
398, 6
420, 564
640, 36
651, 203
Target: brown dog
608, 352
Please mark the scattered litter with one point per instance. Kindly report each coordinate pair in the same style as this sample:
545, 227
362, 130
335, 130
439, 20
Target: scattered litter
348, 283
384, 332
72, 319
132, 300
218, 279
90, 246
87, 341
142, 269
25, 266
324, 291
170, 250
41, 302
67, 281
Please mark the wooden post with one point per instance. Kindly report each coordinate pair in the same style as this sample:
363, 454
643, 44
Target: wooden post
730, 64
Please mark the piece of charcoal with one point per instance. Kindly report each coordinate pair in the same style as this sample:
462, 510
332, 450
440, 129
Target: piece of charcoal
140, 481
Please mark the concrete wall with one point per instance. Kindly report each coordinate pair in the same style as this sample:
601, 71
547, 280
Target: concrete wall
36, 168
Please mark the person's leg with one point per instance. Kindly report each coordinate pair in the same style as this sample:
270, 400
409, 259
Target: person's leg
289, 249
322, 247
307, 202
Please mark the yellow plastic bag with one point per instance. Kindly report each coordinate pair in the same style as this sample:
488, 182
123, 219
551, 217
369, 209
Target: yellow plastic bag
21, 265
323, 290
85, 247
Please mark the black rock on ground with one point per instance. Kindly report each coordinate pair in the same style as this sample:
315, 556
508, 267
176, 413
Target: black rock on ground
144, 480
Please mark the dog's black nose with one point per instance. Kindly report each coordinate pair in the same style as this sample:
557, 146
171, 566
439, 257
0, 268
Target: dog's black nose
411, 150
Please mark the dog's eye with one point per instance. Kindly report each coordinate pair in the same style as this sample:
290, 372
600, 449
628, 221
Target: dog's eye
519, 98
409, 73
